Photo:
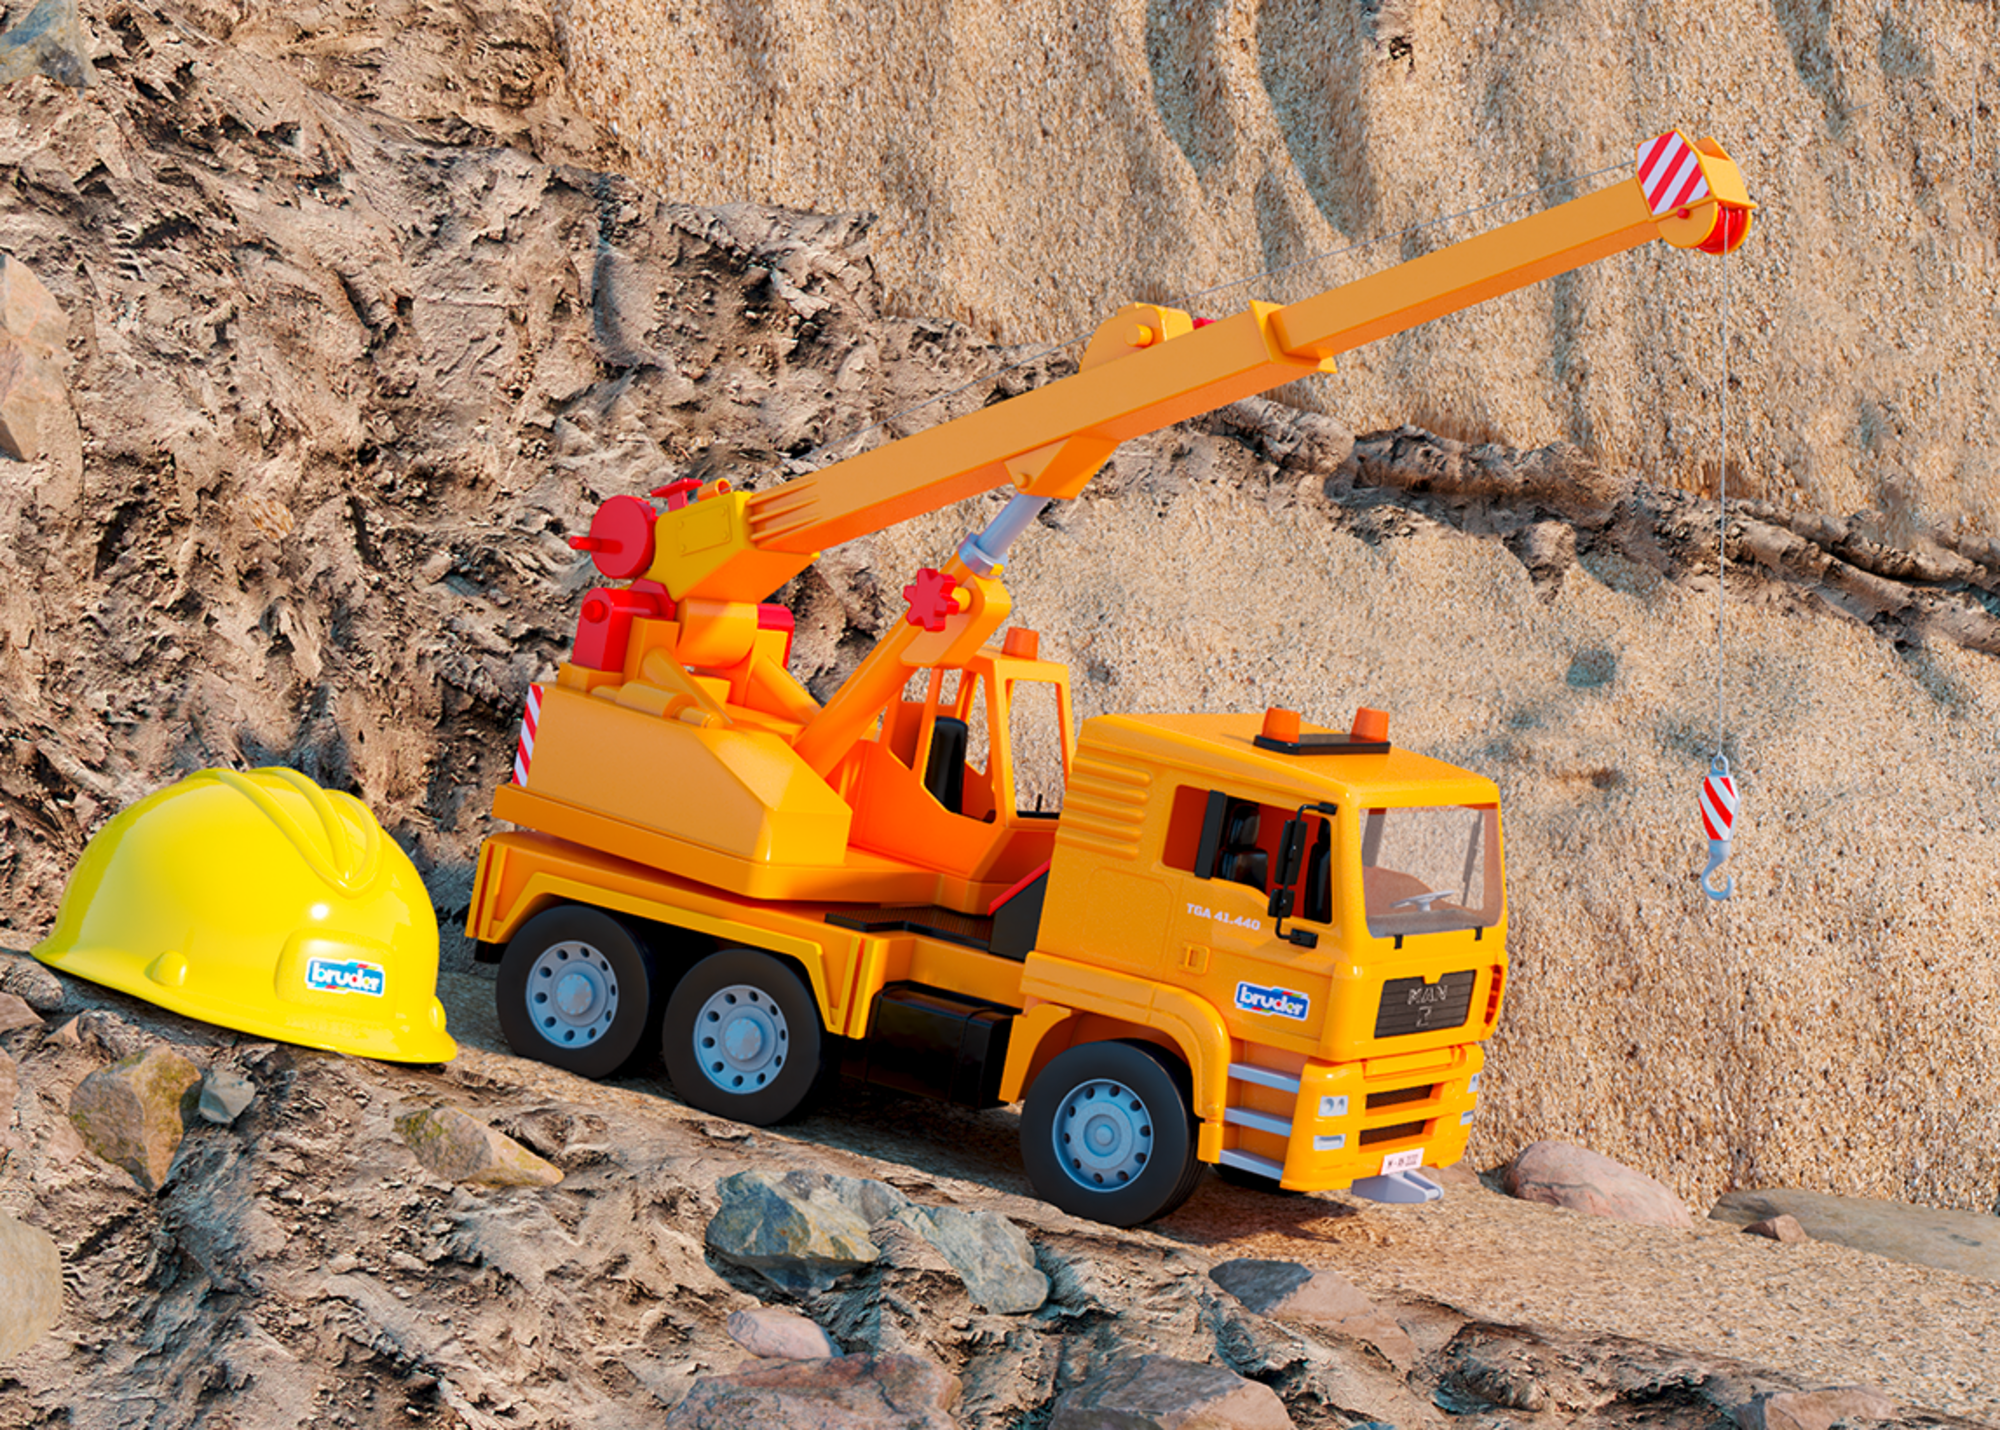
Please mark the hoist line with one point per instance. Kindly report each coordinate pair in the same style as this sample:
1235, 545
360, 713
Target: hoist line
1189, 299
1722, 527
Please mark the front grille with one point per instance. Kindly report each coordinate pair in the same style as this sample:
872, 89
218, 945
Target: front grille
1418, 1093
1410, 1005
1371, 1135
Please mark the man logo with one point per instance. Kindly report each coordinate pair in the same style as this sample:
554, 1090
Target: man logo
1280, 1001
350, 976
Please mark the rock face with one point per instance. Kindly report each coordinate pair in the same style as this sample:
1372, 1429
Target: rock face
1584, 1181
852, 1393
1924, 1236
36, 419
461, 1148
134, 1113
1287, 1291
31, 1289
1270, 132
1816, 1409
803, 1232
1160, 1393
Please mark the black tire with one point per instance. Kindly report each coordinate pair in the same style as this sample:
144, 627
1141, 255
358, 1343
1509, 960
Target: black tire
578, 989
1134, 1097
776, 1065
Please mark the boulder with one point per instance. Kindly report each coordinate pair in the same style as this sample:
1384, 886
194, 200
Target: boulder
134, 1113
991, 1255
1161, 1393
1965, 1242
1588, 1182
778, 1334
99, 1031
1287, 1291
460, 1148
1816, 1409
225, 1094
847, 1393
15, 1014
801, 1231
31, 1288
32, 982
804, 1230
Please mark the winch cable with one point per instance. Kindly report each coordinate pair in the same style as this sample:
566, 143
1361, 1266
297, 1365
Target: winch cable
1719, 797
802, 463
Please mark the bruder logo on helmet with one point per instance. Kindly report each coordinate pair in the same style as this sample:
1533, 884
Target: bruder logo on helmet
1281, 1001
351, 975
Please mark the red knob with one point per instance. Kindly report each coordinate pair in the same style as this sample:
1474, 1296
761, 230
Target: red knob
621, 538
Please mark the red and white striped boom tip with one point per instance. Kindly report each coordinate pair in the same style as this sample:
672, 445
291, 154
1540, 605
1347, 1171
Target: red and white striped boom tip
1670, 173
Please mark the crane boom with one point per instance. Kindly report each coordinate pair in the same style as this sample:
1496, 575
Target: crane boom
1050, 441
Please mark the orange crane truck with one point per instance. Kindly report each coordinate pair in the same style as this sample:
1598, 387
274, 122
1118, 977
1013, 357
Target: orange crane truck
1241, 939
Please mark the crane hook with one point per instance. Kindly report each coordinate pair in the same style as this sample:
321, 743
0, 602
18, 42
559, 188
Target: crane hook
1718, 817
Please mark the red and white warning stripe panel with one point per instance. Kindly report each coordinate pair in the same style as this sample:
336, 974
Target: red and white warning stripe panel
1670, 173
524, 752
1718, 805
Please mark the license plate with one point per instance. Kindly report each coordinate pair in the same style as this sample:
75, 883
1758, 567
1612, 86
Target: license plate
1403, 1161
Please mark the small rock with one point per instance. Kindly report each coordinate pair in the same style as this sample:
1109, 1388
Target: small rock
1287, 1291
134, 1113
1778, 1228
802, 1231
29, 980
1816, 1409
991, 1255
1585, 1181
1961, 1241
1161, 1393
777, 1334
225, 1094
31, 1289
101, 1032
10, 1087
460, 1148
15, 1014
892, 1392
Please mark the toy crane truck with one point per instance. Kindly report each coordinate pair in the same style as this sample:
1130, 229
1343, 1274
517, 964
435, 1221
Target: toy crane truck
1242, 939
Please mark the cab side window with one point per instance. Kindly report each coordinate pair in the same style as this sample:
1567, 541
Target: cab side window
1216, 835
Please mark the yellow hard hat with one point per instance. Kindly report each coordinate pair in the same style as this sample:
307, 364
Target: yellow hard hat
264, 903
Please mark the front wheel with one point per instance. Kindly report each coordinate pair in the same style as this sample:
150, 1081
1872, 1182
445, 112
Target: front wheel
576, 991
742, 1039
1108, 1133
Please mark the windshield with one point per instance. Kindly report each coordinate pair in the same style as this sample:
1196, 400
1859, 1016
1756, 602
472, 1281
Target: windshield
1430, 870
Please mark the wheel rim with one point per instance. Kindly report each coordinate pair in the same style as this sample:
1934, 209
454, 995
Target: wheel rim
572, 994
1103, 1135
741, 1038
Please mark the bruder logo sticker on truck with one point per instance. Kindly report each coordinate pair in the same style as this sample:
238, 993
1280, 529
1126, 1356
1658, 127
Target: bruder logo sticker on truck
352, 975
1281, 1001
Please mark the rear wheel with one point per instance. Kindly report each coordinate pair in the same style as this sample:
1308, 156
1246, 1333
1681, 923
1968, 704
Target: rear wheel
741, 1038
575, 990
1108, 1133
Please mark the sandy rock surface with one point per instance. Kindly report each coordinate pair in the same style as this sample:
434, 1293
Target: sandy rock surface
1037, 165
361, 327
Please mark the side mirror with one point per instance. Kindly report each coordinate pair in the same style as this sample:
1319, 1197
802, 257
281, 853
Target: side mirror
1291, 854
